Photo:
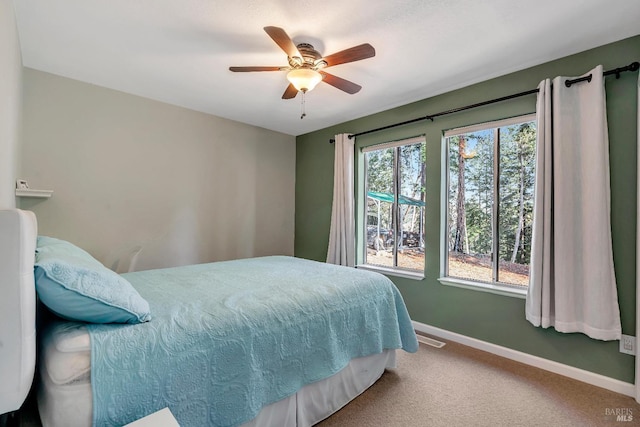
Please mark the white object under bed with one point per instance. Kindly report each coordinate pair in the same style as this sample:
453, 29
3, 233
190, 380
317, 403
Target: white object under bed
65, 397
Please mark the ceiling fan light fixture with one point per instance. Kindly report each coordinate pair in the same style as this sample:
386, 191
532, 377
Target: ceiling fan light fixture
304, 79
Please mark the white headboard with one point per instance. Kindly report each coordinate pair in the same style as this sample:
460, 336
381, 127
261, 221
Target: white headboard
18, 234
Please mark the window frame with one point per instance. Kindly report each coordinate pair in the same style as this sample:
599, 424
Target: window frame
363, 215
491, 287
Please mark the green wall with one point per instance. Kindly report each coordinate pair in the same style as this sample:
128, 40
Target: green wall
485, 316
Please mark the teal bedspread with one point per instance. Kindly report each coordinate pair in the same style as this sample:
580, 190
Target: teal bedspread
230, 337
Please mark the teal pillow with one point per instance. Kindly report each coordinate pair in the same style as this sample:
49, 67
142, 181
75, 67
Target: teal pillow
76, 286
51, 247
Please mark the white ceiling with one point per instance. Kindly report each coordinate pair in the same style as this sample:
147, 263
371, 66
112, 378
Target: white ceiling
179, 51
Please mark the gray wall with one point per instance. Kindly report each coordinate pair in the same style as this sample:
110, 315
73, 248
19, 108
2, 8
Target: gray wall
186, 186
10, 98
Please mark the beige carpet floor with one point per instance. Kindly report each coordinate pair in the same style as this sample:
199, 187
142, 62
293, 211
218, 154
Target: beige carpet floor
460, 386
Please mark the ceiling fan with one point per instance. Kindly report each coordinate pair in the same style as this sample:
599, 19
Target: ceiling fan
306, 64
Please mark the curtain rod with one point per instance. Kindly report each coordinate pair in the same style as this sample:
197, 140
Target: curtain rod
634, 66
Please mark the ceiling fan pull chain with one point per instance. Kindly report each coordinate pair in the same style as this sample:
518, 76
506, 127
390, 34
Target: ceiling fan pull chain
302, 107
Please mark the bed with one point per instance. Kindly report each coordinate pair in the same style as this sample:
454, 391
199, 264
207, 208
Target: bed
256, 342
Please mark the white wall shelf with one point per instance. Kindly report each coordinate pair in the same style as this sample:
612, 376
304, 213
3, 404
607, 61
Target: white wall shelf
29, 192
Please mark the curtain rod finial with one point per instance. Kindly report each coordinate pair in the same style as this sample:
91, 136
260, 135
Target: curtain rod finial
332, 140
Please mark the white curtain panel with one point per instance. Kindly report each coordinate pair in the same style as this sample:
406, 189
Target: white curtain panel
572, 281
342, 238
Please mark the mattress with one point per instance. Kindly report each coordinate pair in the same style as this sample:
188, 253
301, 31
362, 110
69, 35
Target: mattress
65, 396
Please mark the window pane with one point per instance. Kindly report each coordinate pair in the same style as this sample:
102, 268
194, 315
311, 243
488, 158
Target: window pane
411, 206
489, 223
395, 187
517, 157
380, 207
470, 205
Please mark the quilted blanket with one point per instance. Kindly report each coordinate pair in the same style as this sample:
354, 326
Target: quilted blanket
228, 338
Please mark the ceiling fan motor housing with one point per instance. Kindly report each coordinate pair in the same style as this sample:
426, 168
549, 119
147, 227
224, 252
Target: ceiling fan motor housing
311, 58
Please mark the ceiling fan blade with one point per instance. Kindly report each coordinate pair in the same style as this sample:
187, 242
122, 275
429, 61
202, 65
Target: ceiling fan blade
283, 40
247, 69
340, 83
290, 92
355, 53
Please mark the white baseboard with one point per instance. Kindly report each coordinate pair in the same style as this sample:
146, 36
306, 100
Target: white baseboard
598, 380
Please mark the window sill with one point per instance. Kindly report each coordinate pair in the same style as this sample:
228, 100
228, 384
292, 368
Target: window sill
407, 274
484, 287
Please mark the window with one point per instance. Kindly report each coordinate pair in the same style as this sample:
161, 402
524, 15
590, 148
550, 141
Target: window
394, 194
489, 209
